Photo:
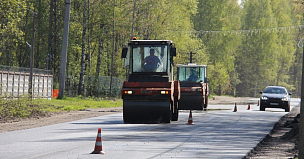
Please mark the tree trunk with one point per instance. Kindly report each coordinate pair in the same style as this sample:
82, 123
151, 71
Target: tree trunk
80, 89
50, 32
89, 51
100, 48
7, 51
38, 53
53, 40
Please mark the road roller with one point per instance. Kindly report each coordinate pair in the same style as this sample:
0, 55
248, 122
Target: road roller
150, 94
193, 86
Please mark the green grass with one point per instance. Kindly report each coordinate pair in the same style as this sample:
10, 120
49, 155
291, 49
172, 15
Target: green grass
70, 104
24, 107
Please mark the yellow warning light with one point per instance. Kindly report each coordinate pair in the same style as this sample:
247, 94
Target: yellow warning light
128, 92
134, 38
164, 92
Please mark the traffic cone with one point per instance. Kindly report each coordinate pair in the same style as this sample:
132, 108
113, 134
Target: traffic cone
235, 108
98, 144
190, 121
248, 107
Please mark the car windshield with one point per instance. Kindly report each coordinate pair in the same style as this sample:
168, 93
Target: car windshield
195, 74
150, 58
275, 90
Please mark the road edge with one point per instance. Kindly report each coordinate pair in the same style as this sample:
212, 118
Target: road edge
281, 141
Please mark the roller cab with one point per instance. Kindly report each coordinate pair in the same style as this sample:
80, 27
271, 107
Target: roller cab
194, 87
150, 95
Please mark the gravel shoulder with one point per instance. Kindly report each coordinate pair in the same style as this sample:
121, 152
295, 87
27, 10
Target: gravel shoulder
55, 118
282, 140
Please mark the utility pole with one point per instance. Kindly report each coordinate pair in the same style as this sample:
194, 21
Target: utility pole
191, 53
30, 90
134, 7
64, 49
301, 132
113, 49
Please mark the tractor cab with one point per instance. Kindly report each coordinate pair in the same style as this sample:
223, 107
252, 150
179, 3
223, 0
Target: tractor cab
149, 60
191, 73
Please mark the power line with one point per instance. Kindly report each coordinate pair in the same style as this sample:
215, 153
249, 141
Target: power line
241, 31
248, 31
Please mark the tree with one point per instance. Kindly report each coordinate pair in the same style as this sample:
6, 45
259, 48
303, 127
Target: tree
286, 46
12, 13
80, 85
55, 35
257, 62
245, 45
220, 45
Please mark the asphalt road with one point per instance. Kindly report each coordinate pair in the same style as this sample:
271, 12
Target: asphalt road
216, 134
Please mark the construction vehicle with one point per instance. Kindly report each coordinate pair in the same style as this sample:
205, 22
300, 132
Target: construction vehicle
150, 95
194, 86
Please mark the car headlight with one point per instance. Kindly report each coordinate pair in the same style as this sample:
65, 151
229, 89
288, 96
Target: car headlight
284, 99
264, 98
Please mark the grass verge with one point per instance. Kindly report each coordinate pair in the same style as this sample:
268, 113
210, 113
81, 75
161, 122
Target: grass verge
24, 107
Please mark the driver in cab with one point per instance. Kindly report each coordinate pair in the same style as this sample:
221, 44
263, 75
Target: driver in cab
193, 76
151, 62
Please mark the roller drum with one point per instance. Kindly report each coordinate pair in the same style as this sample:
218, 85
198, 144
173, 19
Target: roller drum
146, 112
190, 101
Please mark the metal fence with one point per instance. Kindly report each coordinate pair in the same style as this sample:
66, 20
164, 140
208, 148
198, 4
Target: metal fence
14, 82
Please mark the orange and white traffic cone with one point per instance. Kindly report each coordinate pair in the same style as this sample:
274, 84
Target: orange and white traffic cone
235, 108
190, 121
98, 144
248, 107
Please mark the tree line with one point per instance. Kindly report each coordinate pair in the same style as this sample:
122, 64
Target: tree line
245, 46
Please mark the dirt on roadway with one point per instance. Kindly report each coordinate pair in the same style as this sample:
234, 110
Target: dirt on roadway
284, 133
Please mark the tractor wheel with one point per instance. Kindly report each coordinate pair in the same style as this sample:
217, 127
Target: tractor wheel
206, 103
175, 110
